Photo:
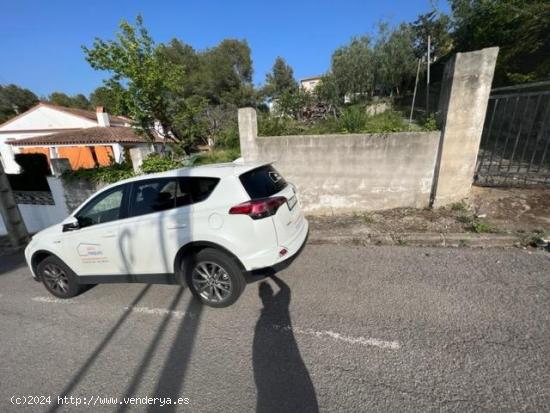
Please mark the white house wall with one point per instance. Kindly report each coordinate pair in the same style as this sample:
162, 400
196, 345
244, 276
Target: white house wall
42, 118
38, 217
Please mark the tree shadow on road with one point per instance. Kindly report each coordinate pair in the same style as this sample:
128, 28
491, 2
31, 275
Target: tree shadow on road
172, 376
282, 380
100, 348
11, 261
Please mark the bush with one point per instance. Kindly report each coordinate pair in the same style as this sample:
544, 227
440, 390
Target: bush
458, 206
103, 174
228, 138
217, 156
429, 123
389, 121
353, 120
158, 163
278, 126
481, 227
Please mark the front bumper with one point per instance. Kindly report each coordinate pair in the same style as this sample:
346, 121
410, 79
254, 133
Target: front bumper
28, 257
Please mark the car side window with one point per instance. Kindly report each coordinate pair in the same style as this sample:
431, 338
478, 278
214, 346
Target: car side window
105, 207
194, 189
183, 195
152, 195
201, 188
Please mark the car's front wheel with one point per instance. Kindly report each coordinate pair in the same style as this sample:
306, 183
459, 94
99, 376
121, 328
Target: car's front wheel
58, 278
215, 278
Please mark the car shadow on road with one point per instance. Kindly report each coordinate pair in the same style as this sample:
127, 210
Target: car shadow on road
282, 380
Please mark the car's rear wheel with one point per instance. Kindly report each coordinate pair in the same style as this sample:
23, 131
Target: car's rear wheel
215, 278
58, 279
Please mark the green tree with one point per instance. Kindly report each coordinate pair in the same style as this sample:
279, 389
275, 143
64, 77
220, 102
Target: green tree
327, 93
352, 68
394, 58
436, 25
280, 80
291, 103
62, 99
112, 97
152, 89
227, 73
519, 27
221, 74
15, 100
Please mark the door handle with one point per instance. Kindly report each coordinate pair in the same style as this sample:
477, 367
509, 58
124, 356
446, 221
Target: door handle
109, 235
178, 226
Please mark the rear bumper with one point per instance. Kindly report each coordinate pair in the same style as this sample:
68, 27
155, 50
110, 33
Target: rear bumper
272, 258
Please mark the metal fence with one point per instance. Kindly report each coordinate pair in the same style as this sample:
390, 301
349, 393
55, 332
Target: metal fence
515, 144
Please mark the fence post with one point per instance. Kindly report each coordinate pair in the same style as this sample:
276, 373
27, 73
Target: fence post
248, 133
463, 102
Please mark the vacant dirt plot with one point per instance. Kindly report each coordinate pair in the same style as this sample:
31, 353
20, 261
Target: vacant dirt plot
513, 211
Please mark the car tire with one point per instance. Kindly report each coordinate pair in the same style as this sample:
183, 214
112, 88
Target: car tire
58, 279
214, 278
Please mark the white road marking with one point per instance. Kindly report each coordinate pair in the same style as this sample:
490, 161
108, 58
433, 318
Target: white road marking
364, 341
156, 311
53, 300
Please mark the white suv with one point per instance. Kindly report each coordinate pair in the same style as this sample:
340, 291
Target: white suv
206, 226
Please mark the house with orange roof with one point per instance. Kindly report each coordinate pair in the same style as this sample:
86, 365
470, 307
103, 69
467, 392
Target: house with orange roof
86, 138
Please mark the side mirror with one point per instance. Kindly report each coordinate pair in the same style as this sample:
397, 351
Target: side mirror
71, 224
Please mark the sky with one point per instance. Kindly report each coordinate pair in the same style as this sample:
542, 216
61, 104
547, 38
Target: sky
40, 41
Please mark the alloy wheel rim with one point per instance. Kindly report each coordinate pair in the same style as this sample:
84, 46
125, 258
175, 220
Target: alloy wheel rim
211, 281
56, 278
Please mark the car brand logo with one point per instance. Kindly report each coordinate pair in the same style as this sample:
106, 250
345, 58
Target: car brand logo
275, 177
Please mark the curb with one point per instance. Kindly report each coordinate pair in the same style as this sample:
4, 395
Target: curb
420, 240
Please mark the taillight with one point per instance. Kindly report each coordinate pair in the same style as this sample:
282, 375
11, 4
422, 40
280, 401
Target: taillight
259, 208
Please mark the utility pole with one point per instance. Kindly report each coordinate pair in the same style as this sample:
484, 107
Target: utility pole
13, 221
428, 78
414, 93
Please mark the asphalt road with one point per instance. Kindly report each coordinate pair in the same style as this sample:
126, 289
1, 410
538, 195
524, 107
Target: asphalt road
344, 329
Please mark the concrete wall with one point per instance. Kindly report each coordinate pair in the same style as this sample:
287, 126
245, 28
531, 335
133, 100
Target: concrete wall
77, 191
67, 196
38, 217
339, 173
463, 104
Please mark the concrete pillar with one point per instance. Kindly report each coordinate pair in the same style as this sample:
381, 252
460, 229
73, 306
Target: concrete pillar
118, 152
10, 214
248, 132
138, 155
463, 103
58, 194
60, 165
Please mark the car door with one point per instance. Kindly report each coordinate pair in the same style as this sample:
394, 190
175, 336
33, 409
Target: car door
94, 247
149, 236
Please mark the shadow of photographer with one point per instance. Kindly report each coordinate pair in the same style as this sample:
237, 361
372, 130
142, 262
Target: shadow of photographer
282, 380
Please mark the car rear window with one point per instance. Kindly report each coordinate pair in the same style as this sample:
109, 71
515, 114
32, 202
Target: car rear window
263, 182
